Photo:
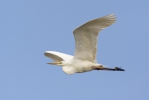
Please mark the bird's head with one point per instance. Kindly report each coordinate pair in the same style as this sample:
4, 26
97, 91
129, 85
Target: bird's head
59, 63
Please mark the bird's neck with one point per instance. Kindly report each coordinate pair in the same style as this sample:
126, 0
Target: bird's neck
68, 69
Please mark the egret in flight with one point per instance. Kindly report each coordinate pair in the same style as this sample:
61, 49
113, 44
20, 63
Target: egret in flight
84, 58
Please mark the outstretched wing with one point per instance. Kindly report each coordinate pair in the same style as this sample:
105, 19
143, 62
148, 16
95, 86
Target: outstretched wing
86, 37
57, 56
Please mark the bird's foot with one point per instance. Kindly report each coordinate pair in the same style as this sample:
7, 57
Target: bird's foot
108, 69
118, 69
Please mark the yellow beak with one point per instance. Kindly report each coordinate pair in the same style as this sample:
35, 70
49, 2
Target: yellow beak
54, 63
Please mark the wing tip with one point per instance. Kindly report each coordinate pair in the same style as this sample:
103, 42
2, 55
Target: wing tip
47, 52
112, 17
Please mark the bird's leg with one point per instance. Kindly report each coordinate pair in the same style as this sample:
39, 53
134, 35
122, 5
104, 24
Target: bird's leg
97, 68
108, 69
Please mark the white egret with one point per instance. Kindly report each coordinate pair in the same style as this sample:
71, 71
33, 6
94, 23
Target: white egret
84, 59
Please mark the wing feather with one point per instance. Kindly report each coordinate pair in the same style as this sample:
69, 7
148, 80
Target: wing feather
57, 56
86, 37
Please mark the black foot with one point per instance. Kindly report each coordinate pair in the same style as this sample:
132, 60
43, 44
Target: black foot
118, 69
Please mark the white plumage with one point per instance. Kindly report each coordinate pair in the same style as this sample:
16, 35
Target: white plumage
84, 58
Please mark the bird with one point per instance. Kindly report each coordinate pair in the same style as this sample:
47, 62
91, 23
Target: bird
84, 59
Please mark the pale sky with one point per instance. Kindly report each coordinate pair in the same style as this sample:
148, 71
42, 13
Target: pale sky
30, 27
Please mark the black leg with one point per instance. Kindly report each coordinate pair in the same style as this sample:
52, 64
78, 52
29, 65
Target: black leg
110, 69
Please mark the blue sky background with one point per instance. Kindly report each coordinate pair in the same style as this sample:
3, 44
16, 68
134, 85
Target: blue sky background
30, 27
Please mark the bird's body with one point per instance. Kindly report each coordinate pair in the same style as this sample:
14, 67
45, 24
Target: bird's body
84, 59
70, 64
74, 66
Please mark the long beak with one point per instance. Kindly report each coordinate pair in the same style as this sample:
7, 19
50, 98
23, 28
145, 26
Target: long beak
53, 63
